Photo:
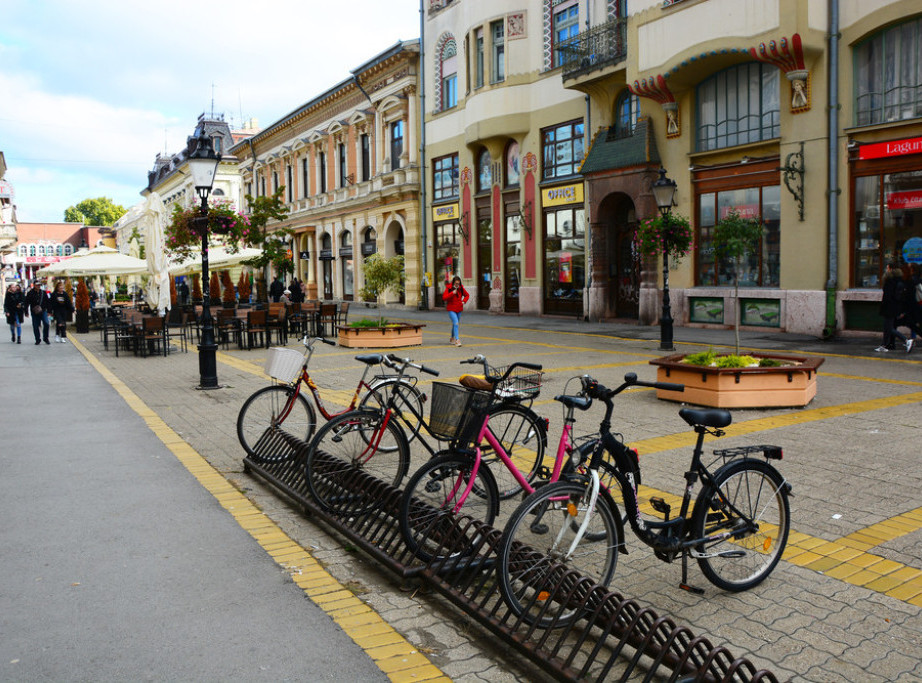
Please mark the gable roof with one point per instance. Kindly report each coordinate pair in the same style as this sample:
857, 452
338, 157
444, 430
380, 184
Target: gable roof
609, 151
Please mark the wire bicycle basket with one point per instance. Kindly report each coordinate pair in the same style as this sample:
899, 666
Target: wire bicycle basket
521, 383
284, 364
456, 412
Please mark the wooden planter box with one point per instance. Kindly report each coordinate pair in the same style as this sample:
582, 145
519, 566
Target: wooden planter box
785, 386
388, 337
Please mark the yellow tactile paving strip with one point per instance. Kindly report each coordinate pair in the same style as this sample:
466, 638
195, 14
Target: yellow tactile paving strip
388, 649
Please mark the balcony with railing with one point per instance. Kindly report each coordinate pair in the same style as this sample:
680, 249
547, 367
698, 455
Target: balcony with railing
594, 48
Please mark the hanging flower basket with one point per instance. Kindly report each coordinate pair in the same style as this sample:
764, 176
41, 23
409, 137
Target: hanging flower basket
669, 235
187, 226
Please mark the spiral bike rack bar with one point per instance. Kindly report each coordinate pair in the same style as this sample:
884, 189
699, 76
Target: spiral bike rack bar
613, 638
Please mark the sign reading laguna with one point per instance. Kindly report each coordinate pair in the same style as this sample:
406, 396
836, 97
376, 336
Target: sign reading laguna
892, 148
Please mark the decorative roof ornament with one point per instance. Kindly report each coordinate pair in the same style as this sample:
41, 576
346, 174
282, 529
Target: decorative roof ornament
655, 88
789, 58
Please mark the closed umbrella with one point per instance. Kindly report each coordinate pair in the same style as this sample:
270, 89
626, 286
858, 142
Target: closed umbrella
153, 218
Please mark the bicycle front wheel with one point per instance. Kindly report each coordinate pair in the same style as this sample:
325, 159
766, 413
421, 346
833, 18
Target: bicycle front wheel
349, 456
428, 520
408, 401
749, 496
542, 542
523, 435
260, 414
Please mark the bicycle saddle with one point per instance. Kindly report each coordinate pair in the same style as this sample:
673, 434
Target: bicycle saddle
370, 358
716, 418
581, 402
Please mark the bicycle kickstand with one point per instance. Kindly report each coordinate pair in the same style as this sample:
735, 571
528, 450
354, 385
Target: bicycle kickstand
685, 585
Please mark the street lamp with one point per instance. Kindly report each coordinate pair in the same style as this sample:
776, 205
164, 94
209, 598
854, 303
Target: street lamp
664, 193
203, 164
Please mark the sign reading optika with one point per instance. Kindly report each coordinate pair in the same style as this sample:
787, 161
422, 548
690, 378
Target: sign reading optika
566, 194
446, 212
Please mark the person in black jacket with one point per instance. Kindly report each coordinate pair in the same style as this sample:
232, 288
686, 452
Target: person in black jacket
61, 308
14, 305
276, 289
38, 303
891, 304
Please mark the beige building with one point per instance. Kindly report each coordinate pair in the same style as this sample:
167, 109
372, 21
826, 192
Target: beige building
348, 160
747, 104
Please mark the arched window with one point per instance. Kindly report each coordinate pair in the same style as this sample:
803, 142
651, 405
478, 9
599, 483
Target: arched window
348, 264
23, 250
31, 250
59, 250
41, 249
627, 109
369, 241
484, 171
448, 70
68, 249
738, 105
217, 192
512, 164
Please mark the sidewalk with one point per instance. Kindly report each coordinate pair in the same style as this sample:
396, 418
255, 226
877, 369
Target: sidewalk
118, 565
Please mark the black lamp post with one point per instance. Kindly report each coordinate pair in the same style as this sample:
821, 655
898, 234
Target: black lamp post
203, 164
664, 192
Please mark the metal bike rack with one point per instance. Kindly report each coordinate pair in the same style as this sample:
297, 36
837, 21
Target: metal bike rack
615, 638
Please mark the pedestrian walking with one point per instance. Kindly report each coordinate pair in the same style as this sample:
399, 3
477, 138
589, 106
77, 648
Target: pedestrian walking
909, 307
295, 289
14, 305
891, 304
455, 296
276, 289
38, 304
61, 307
183, 293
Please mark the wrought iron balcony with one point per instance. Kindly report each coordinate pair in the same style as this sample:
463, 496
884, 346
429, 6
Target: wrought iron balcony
592, 49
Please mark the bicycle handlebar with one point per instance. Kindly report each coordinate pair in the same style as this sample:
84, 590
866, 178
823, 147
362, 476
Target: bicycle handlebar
392, 361
593, 389
480, 359
308, 341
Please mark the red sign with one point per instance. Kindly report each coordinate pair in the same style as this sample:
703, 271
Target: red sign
910, 199
893, 148
744, 210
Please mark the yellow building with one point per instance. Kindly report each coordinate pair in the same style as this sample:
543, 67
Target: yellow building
803, 113
348, 160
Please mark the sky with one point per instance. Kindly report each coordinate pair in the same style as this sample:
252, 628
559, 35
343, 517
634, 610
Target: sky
91, 91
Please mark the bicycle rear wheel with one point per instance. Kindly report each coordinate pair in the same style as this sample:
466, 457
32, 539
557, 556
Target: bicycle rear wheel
259, 415
347, 459
523, 435
538, 549
428, 523
751, 496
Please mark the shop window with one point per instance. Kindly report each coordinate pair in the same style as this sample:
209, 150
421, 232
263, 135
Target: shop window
369, 242
888, 75
565, 259
512, 164
484, 171
445, 177
448, 66
565, 28
627, 109
888, 224
562, 148
348, 265
737, 106
448, 251
759, 268
497, 31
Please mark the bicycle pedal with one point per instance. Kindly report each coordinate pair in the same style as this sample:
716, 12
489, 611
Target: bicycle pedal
544, 472
660, 505
691, 589
432, 486
539, 528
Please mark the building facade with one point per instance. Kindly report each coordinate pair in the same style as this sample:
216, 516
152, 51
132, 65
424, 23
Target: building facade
348, 161
805, 114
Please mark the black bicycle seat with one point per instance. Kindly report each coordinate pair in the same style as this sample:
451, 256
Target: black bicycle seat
715, 418
370, 358
581, 402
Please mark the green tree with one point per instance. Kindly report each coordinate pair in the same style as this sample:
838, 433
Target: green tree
382, 275
98, 211
274, 244
733, 238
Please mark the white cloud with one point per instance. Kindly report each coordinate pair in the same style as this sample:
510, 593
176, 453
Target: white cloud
93, 91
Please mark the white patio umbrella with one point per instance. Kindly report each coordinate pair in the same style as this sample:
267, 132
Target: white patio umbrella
100, 260
219, 258
153, 218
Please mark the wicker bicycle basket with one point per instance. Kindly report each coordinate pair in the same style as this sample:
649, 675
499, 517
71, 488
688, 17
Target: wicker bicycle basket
522, 383
284, 364
456, 412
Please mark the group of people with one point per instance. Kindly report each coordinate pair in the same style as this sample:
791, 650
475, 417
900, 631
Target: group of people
295, 293
901, 306
38, 304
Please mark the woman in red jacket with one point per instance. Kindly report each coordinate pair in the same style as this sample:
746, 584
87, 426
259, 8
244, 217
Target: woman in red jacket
455, 297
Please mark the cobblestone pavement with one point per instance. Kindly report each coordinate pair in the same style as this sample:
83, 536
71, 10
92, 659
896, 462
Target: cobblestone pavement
845, 604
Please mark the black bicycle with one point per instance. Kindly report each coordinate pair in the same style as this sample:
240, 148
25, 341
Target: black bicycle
737, 529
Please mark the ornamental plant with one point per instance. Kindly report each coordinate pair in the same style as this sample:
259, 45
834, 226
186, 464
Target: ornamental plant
214, 290
734, 237
82, 297
184, 233
669, 235
196, 288
229, 296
